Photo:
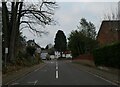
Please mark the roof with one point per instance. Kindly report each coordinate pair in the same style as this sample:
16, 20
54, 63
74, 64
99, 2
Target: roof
37, 45
67, 52
112, 23
29, 41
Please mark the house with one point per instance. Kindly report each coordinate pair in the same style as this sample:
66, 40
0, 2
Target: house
50, 46
52, 57
57, 54
68, 54
33, 44
38, 48
109, 32
44, 54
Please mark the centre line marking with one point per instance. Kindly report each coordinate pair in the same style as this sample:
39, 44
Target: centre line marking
56, 74
56, 67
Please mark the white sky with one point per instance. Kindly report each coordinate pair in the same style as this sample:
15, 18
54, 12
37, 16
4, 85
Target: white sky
68, 16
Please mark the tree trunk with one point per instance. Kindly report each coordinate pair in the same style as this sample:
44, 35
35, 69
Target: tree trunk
17, 30
13, 33
5, 28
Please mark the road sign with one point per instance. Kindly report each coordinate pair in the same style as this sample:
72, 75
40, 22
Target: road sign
6, 50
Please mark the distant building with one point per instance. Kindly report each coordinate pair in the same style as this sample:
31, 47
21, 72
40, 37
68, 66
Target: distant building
50, 46
68, 54
33, 44
44, 54
57, 54
109, 32
52, 56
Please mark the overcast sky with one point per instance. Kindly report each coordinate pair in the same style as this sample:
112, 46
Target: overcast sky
68, 16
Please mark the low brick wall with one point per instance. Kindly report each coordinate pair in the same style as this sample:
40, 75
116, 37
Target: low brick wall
85, 59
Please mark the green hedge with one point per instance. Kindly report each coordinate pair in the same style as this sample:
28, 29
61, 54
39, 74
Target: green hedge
108, 55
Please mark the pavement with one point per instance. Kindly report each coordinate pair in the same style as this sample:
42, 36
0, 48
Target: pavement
6, 79
61, 73
109, 74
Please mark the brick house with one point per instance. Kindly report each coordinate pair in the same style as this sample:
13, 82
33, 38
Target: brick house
109, 32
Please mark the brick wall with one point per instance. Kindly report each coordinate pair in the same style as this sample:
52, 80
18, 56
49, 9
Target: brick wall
84, 57
108, 32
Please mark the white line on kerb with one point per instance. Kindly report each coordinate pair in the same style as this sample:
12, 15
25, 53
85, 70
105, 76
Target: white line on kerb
102, 78
14, 83
36, 70
35, 82
56, 64
56, 74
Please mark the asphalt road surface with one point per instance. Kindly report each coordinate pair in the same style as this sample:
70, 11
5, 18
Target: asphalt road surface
60, 73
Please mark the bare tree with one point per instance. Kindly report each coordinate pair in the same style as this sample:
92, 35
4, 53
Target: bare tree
23, 14
114, 14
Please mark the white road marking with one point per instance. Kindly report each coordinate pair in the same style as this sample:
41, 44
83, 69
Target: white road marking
56, 74
36, 70
35, 82
52, 62
56, 67
14, 83
56, 70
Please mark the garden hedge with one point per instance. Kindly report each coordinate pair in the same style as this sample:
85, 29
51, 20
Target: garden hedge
108, 55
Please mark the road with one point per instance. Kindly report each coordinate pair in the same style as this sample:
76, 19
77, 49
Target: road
60, 73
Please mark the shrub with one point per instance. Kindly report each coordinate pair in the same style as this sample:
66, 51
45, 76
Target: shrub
30, 50
108, 55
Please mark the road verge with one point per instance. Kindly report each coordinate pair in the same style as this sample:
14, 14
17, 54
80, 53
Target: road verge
7, 79
111, 75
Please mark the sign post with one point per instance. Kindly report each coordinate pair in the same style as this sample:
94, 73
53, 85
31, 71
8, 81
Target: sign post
6, 52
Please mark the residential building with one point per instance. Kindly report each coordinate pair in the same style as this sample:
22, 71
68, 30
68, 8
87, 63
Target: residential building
68, 54
44, 54
109, 32
32, 43
52, 57
57, 54
50, 46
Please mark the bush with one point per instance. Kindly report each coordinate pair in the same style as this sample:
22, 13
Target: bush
108, 55
30, 50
